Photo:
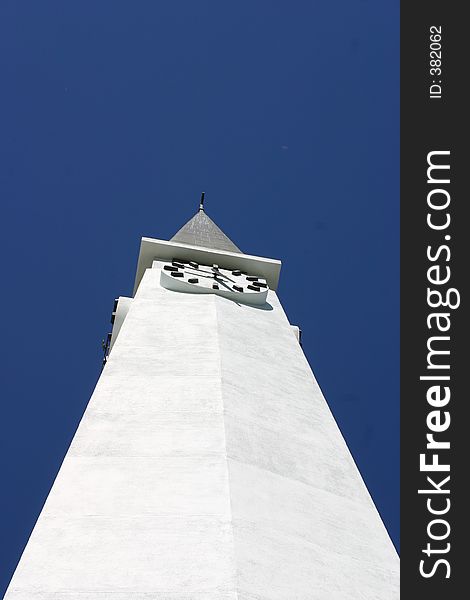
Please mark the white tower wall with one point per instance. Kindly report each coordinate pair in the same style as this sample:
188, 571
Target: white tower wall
207, 466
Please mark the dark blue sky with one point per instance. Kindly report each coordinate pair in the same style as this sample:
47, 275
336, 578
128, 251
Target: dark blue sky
114, 116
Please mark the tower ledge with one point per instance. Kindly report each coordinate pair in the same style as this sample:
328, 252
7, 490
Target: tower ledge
152, 249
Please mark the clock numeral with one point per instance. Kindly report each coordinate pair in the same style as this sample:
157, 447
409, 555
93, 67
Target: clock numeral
215, 286
193, 280
250, 278
194, 265
236, 272
168, 268
238, 288
176, 274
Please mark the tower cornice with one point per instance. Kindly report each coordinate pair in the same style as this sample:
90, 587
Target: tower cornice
153, 249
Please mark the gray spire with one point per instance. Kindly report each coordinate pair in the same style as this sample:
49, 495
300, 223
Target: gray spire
202, 231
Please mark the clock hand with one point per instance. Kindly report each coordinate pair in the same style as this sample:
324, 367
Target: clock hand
214, 274
198, 271
214, 270
224, 284
226, 276
216, 277
205, 276
210, 274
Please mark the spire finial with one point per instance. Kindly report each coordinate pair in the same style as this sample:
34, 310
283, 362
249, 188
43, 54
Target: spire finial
201, 202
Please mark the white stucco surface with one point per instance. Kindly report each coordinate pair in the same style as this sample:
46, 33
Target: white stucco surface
123, 306
207, 466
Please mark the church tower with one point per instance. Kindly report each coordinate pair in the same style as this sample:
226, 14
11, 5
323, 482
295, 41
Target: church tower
207, 465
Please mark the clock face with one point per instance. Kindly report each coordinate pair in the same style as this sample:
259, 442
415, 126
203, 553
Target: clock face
189, 276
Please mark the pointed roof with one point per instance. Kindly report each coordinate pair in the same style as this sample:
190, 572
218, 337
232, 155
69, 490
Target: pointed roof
202, 231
